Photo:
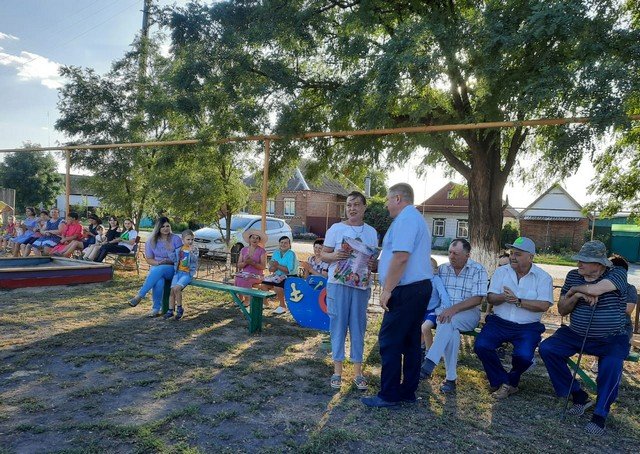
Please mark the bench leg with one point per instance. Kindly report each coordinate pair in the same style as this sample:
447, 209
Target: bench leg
166, 293
585, 378
255, 317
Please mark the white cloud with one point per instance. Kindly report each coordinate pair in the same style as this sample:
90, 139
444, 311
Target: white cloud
33, 67
8, 36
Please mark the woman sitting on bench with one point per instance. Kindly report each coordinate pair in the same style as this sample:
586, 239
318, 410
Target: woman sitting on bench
119, 245
159, 254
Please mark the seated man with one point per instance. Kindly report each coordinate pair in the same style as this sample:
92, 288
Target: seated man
520, 294
314, 266
466, 284
595, 297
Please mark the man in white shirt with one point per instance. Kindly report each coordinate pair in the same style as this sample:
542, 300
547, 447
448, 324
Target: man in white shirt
520, 293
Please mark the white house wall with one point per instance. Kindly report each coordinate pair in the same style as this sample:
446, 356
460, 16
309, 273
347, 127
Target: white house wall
555, 204
75, 199
451, 222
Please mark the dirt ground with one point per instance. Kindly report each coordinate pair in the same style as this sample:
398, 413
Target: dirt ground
80, 371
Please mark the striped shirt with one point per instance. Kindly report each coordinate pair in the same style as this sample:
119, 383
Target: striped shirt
472, 281
609, 318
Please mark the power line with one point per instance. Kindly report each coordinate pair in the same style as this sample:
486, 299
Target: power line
8, 57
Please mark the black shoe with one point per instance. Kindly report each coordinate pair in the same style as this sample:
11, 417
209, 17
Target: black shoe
426, 369
448, 387
378, 402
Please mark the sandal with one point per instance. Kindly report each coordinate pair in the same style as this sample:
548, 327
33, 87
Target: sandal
336, 381
360, 382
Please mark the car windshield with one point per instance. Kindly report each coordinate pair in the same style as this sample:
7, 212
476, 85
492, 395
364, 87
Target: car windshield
236, 223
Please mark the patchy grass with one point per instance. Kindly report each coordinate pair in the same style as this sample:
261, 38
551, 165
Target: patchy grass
555, 259
83, 372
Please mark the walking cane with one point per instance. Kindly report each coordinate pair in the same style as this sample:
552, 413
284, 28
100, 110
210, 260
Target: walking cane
575, 370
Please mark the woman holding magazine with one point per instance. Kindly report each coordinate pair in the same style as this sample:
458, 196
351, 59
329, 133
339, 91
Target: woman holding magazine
350, 247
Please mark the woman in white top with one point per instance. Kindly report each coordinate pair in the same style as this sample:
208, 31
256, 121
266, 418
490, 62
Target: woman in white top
348, 290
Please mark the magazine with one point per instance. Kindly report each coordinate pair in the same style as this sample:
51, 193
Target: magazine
274, 278
354, 271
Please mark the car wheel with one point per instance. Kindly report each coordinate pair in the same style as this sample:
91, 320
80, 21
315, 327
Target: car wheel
235, 252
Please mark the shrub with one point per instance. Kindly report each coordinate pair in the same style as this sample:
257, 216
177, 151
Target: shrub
508, 234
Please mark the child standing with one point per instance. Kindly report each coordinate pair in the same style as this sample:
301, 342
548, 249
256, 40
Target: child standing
186, 266
439, 299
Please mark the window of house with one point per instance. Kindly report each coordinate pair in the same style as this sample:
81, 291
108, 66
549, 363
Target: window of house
463, 228
271, 206
438, 227
289, 206
450, 195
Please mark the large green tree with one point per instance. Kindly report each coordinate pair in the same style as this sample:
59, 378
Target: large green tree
34, 176
120, 106
617, 184
360, 64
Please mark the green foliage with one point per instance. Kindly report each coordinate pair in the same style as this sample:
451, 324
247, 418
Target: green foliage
377, 216
120, 106
508, 234
34, 176
320, 66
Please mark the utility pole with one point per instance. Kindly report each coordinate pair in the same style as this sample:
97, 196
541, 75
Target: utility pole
144, 48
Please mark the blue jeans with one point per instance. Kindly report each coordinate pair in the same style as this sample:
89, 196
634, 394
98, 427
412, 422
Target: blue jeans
347, 309
524, 337
399, 341
611, 352
155, 280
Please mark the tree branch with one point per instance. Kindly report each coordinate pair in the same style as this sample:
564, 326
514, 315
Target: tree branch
519, 135
456, 163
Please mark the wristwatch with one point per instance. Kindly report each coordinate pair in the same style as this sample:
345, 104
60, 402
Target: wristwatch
519, 303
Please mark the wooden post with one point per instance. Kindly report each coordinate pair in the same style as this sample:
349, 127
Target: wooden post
265, 184
68, 184
326, 221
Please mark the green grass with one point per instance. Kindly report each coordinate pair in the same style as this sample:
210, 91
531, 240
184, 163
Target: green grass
555, 259
85, 373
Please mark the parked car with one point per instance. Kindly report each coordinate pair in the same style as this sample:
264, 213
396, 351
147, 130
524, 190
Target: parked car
210, 242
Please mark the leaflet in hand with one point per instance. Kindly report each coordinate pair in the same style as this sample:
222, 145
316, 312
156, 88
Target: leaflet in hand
355, 271
274, 278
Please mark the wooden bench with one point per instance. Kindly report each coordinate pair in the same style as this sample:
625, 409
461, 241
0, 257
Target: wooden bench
118, 258
253, 315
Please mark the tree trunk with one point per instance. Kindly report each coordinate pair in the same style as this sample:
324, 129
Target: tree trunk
485, 214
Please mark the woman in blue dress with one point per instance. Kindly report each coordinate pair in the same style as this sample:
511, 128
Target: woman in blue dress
30, 224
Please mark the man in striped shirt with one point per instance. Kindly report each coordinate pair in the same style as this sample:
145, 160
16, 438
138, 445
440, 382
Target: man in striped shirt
595, 289
466, 283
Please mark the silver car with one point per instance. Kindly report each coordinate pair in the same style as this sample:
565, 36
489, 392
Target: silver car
210, 242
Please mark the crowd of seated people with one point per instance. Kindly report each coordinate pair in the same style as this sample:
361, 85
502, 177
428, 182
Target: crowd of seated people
44, 232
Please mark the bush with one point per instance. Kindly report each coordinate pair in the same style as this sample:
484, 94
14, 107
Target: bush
178, 227
508, 234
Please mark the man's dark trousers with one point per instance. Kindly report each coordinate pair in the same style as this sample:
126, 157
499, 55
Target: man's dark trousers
611, 352
525, 338
400, 337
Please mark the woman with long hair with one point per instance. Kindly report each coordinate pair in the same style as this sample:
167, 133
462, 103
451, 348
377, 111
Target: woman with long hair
123, 243
159, 254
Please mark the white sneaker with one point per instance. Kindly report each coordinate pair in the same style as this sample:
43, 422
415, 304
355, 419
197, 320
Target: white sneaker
153, 313
279, 310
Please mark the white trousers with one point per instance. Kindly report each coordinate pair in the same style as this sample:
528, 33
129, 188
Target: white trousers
446, 342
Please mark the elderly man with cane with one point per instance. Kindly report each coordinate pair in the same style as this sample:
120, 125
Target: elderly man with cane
595, 297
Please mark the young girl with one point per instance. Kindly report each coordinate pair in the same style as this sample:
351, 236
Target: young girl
439, 297
8, 232
89, 253
185, 261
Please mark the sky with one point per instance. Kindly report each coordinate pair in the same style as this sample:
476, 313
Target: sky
38, 36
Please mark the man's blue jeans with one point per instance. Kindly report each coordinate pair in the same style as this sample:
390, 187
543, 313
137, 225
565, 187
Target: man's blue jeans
524, 337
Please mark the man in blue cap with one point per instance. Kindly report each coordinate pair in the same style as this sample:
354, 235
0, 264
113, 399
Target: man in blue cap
520, 293
595, 296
